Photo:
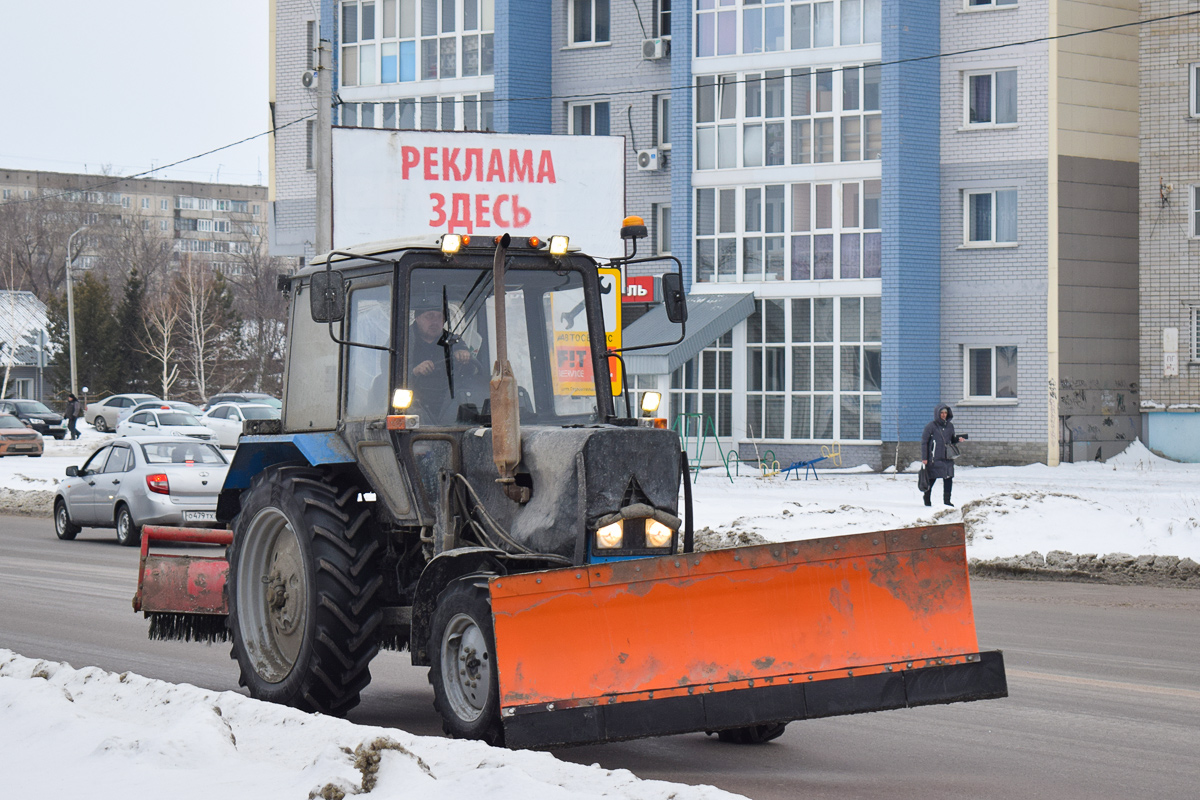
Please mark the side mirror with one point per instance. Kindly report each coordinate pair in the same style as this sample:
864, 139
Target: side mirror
72, 472
674, 301
327, 296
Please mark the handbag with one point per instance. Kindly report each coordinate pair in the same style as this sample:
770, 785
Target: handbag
923, 482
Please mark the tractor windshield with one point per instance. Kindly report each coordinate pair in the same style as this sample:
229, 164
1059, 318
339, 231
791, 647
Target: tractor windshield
451, 344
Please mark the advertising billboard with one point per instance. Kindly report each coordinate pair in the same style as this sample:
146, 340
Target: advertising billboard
397, 184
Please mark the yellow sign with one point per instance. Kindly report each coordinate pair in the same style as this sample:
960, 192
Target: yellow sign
611, 292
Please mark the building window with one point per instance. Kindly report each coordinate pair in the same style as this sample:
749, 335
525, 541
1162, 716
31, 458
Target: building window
1194, 212
589, 119
663, 229
164, 205
763, 29
813, 369
164, 225
834, 115
6, 194
990, 373
991, 217
1194, 75
991, 98
704, 386
662, 120
664, 19
588, 21
973, 4
796, 232
398, 41
1194, 312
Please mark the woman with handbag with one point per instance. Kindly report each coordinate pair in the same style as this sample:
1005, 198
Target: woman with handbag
939, 448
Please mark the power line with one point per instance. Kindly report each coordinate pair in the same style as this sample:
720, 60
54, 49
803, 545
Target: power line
119, 179
897, 62
658, 90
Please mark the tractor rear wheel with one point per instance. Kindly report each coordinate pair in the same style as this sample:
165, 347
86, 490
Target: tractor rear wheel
304, 579
462, 663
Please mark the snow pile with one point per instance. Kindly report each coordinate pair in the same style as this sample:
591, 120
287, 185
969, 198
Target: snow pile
1135, 503
128, 735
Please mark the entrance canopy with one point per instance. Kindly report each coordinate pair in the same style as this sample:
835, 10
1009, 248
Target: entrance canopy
710, 316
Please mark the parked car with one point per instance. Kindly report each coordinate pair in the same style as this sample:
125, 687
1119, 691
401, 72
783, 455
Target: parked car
258, 398
18, 439
177, 405
36, 415
160, 422
226, 419
103, 413
147, 480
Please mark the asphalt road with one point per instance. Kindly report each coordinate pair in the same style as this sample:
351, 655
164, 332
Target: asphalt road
1104, 686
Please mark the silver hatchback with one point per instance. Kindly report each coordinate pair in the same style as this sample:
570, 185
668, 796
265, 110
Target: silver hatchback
141, 480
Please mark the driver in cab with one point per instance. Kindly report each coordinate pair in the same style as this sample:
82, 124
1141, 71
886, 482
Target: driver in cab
444, 372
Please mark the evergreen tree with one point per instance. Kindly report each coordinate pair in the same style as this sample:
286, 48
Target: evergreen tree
133, 366
96, 339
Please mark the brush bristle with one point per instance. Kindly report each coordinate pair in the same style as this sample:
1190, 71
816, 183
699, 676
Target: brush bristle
189, 627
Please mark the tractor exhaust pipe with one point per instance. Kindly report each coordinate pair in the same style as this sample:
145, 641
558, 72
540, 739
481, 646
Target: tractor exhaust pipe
506, 411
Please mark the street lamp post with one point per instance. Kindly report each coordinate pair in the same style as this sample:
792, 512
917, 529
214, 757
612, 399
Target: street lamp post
71, 311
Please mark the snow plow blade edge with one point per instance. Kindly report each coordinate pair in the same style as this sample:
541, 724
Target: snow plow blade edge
741, 637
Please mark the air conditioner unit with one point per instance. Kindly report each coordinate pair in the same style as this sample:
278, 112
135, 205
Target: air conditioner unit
309, 79
647, 159
654, 49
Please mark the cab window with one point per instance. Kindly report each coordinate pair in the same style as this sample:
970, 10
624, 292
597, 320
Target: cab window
367, 369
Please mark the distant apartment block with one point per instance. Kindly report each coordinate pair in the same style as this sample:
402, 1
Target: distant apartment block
216, 221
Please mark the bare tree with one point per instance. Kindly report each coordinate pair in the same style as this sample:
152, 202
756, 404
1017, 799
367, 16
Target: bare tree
160, 331
261, 307
34, 234
207, 320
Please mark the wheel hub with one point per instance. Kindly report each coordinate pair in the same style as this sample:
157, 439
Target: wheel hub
272, 595
468, 662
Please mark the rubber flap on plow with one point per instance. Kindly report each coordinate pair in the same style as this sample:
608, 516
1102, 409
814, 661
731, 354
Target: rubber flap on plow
733, 638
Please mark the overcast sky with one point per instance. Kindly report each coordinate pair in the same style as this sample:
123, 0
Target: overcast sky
130, 85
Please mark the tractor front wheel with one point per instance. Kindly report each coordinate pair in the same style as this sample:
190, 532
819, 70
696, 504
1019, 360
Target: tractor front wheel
303, 587
462, 663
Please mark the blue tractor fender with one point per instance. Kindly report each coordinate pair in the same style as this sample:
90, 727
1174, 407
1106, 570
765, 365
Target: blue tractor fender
256, 453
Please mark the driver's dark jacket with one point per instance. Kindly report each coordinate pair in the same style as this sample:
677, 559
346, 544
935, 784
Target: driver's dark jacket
432, 391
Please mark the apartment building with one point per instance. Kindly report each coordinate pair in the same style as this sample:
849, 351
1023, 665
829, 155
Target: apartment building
1169, 245
1039, 152
866, 229
218, 222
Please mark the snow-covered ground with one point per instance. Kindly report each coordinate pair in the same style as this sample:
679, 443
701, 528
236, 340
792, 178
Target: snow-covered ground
68, 732
76, 733
1134, 503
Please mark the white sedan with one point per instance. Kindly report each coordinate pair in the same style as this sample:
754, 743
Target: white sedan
226, 419
163, 422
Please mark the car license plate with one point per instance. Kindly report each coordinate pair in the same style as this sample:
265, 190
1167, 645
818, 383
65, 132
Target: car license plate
199, 516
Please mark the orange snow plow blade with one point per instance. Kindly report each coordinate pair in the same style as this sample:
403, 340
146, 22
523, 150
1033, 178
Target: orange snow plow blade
183, 595
741, 637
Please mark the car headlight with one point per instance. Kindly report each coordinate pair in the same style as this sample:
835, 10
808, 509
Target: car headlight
611, 536
657, 534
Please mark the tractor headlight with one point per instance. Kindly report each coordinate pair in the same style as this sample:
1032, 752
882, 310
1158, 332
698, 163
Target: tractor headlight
657, 534
611, 536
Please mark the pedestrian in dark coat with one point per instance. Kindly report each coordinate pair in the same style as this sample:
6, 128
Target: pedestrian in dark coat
935, 451
73, 413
